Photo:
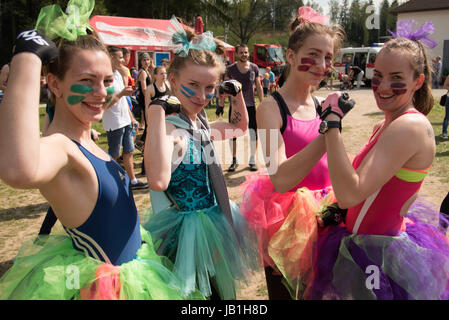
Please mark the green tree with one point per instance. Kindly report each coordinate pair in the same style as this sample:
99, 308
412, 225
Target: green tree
334, 11
384, 12
392, 19
249, 16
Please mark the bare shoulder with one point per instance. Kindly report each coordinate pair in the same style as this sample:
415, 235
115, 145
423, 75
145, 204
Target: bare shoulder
413, 127
268, 114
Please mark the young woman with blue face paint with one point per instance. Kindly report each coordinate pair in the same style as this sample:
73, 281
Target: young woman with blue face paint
203, 232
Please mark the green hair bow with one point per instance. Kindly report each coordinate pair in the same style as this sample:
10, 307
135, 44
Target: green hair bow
53, 22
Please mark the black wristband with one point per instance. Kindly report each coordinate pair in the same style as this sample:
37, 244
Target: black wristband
35, 42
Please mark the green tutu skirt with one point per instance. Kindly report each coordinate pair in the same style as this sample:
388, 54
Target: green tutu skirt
49, 268
205, 248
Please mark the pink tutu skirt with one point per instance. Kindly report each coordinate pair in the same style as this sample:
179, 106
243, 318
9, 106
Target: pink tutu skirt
267, 212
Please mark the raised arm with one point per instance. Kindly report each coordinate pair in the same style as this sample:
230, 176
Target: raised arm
24, 152
221, 130
159, 146
284, 173
392, 151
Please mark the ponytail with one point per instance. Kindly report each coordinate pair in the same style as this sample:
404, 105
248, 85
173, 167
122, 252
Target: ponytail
423, 98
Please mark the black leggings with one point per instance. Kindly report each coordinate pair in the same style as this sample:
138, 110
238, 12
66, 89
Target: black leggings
275, 287
444, 209
49, 222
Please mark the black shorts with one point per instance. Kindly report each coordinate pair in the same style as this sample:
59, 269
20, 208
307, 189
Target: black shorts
252, 123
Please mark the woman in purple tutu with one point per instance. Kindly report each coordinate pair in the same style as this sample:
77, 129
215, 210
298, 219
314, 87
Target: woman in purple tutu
390, 246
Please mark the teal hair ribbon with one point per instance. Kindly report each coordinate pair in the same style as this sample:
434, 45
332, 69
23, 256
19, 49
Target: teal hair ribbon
204, 41
53, 22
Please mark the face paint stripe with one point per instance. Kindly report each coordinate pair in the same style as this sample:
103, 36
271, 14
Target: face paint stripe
72, 100
308, 61
81, 88
188, 90
398, 85
399, 91
303, 68
185, 93
210, 96
110, 90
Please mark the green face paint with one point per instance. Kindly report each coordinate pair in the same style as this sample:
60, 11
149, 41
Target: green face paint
72, 100
81, 88
78, 88
110, 90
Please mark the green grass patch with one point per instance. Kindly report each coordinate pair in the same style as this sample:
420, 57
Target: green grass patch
441, 163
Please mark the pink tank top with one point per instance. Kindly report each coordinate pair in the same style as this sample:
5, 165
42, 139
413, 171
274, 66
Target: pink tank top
380, 213
297, 134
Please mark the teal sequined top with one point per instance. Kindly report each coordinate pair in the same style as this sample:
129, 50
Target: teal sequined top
189, 185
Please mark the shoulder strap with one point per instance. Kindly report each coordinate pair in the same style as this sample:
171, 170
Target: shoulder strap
283, 109
317, 103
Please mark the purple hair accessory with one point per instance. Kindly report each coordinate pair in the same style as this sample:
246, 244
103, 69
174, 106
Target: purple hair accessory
404, 28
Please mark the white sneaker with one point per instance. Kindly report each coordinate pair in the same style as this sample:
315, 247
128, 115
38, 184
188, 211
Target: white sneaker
445, 137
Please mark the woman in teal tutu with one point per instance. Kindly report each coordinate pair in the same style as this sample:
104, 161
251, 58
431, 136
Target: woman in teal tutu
105, 254
199, 229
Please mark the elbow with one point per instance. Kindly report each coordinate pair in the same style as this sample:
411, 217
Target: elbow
16, 179
243, 126
279, 184
346, 203
157, 185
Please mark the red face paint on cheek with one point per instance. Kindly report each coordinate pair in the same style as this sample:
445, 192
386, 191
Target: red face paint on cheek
307, 63
375, 82
398, 88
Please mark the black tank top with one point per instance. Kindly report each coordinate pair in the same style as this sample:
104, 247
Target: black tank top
158, 93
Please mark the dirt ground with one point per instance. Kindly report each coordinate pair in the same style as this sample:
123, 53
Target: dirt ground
21, 222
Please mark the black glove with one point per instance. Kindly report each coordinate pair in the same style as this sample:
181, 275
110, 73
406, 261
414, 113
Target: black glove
170, 104
219, 110
333, 215
232, 87
340, 107
35, 42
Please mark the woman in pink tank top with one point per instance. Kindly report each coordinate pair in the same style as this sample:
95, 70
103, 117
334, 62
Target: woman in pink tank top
390, 246
276, 201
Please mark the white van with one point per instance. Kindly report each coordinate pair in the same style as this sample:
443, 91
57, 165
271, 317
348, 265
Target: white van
363, 57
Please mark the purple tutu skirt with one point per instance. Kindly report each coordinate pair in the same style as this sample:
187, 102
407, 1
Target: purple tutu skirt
413, 265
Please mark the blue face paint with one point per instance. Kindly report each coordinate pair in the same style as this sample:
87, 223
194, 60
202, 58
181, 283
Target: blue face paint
187, 91
210, 96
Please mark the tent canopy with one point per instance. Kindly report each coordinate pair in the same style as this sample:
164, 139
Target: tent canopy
136, 33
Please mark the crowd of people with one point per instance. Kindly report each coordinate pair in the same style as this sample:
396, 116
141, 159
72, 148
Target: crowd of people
317, 222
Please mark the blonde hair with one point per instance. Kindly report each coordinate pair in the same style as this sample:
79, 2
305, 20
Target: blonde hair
416, 54
199, 57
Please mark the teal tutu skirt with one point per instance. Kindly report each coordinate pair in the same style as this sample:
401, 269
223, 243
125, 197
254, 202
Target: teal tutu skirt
49, 268
205, 248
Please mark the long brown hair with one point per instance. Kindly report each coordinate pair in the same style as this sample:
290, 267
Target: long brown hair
67, 48
416, 54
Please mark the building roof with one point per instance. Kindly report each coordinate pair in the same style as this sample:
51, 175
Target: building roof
421, 5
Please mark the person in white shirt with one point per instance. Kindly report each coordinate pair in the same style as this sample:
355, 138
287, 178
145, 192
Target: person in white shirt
118, 120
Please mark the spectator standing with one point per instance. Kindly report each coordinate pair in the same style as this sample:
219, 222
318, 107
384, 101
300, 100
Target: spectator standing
247, 73
446, 106
118, 120
437, 67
